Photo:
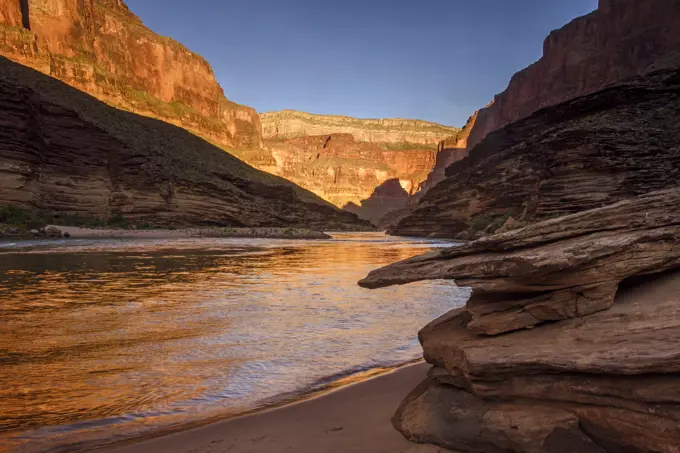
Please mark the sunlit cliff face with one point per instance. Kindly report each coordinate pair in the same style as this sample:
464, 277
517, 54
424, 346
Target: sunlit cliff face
160, 334
342, 170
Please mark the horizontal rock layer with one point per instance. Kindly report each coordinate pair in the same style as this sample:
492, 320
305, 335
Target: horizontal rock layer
587, 152
343, 170
100, 47
568, 342
293, 124
65, 152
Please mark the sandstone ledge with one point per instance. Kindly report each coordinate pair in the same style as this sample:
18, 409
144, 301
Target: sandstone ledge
603, 379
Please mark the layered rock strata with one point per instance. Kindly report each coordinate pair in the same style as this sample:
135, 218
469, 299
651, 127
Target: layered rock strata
618, 40
568, 342
293, 124
100, 47
621, 39
584, 153
64, 152
366, 153
343, 170
450, 150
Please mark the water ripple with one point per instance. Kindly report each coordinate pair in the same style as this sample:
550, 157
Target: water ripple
107, 339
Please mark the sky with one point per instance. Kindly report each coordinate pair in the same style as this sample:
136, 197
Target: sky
436, 60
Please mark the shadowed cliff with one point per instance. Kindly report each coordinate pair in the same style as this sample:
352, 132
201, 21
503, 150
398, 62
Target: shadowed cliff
100, 47
66, 152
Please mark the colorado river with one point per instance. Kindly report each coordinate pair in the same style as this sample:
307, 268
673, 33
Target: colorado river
109, 339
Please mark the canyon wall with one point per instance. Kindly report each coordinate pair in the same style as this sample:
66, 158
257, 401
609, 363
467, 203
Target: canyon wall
354, 163
622, 38
100, 47
64, 152
618, 40
450, 150
387, 198
590, 151
292, 124
343, 170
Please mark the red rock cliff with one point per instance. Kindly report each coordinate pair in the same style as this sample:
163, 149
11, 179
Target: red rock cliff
100, 47
618, 40
65, 153
293, 124
10, 13
343, 170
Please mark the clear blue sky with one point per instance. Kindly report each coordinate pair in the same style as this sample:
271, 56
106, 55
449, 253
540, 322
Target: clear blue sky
437, 60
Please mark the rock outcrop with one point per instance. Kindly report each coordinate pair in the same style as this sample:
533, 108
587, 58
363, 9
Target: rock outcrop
343, 170
568, 343
388, 197
621, 39
449, 151
618, 40
293, 124
364, 154
64, 152
100, 47
590, 151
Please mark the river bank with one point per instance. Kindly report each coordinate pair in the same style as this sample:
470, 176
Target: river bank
160, 233
355, 418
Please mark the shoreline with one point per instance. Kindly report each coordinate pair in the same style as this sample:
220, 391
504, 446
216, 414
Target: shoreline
72, 232
371, 400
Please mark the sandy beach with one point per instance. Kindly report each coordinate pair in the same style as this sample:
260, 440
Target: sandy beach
352, 419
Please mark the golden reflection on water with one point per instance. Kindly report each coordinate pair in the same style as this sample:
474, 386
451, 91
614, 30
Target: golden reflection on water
106, 340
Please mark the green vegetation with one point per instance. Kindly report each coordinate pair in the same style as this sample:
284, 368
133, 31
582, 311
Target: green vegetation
21, 33
16, 220
406, 146
27, 219
260, 232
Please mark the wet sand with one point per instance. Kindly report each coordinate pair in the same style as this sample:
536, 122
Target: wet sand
352, 419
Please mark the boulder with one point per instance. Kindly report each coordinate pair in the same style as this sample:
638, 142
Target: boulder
52, 231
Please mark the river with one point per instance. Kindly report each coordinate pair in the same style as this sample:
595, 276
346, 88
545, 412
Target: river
103, 340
